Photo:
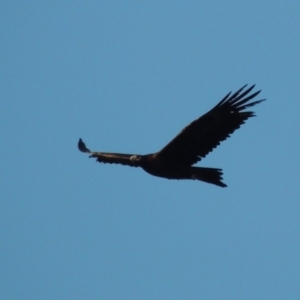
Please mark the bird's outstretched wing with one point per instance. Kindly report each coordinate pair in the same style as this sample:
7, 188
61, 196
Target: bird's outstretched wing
109, 158
200, 137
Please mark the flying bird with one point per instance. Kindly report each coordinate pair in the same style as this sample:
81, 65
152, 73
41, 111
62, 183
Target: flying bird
176, 160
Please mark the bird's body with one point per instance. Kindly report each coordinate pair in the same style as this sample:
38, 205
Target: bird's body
194, 142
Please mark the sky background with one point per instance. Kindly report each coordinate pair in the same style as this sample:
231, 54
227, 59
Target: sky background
127, 76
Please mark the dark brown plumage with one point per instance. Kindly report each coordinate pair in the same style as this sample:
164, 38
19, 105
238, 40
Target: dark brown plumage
194, 142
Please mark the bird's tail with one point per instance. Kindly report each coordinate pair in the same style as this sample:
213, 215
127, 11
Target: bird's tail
209, 175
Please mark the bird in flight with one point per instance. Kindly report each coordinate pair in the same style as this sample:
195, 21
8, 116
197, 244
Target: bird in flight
176, 160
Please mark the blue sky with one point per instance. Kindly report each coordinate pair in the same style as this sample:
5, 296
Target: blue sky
127, 76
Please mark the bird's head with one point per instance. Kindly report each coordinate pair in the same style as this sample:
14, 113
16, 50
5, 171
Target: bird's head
136, 159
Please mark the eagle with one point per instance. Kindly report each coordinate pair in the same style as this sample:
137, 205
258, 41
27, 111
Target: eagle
177, 159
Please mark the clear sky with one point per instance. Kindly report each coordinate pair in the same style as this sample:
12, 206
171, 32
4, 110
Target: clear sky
127, 76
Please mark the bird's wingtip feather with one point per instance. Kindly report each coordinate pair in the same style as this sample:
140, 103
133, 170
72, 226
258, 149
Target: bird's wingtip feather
82, 147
